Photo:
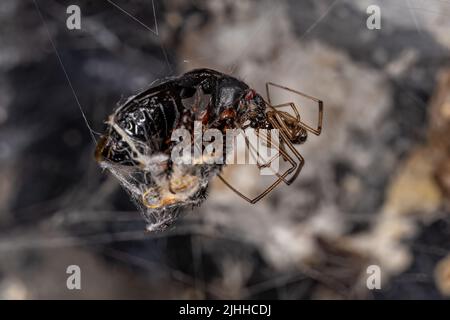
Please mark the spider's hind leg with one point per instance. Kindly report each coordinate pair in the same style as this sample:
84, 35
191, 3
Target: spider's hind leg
293, 169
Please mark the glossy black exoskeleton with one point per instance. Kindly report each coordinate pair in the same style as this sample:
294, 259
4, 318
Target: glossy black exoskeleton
217, 100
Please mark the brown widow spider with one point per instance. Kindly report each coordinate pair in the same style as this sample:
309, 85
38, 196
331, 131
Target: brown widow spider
292, 131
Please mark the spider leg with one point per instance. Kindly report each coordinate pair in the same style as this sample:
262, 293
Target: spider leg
277, 115
280, 178
290, 133
280, 149
288, 143
319, 102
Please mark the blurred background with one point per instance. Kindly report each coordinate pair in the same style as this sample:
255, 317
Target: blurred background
375, 189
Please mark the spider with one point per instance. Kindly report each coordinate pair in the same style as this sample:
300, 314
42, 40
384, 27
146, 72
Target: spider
136, 146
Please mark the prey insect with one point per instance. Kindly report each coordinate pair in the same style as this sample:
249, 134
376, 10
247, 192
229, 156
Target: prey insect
136, 146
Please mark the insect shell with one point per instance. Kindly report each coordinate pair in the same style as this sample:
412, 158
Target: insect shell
136, 146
